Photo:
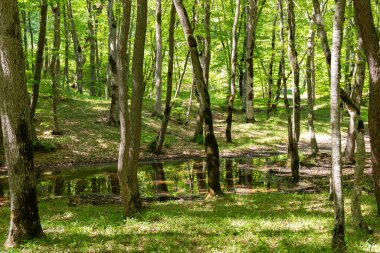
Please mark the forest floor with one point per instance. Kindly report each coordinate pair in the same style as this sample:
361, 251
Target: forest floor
88, 139
295, 218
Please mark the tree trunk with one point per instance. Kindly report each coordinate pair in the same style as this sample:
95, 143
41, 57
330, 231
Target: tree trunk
31, 38
67, 48
38, 66
310, 82
251, 15
231, 98
2, 157
113, 117
23, 14
296, 117
356, 210
79, 60
15, 122
55, 68
130, 123
211, 145
158, 73
91, 40
160, 186
322, 33
338, 243
169, 86
270, 72
46, 60
356, 96
364, 17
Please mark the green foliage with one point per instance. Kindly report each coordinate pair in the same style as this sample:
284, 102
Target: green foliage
46, 145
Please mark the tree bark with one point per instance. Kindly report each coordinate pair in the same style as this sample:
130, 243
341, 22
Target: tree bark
211, 145
356, 210
91, 40
38, 66
23, 14
55, 68
310, 82
338, 243
113, 117
158, 72
67, 48
231, 98
356, 96
296, 117
169, 85
15, 122
79, 60
270, 72
364, 17
2, 155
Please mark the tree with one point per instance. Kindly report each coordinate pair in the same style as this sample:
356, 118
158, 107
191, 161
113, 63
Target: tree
211, 145
113, 116
91, 38
366, 27
310, 82
292, 54
38, 65
55, 68
158, 73
231, 98
15, 122
79, 60
338, 243
130, 121
169, 86
1, 146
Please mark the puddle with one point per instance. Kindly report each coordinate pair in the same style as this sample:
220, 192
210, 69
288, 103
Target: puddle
174, 178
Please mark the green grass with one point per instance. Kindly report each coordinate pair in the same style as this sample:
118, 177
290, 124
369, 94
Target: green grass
262, 222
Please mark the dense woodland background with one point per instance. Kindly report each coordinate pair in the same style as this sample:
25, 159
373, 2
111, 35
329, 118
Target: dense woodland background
118, 81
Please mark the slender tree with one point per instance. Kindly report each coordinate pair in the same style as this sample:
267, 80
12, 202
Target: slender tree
296, 117
79, 60
92, 42
15, 122
310, 83
158, 72
365, 23
67, 47
271, 63
55, 68
211, 145
338, 243
169, 85
231, 98
38, 66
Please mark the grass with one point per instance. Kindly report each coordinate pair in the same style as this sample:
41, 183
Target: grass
88, 139
262, 222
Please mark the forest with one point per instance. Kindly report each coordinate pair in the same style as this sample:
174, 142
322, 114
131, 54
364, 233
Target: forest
189, 126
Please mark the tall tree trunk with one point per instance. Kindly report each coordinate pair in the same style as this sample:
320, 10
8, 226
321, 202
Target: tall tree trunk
211, 145
79, 60
38, 66
55, 68
251, 15
310, 82
356, 210
158, 72
338, 243
15, 122
296, 117
113, 117
270, 72
130, 122
364, 17
23, 14
46, 60
169, 86
356, 96
2, 157
91, 40
31, 38
67, 48
231, 98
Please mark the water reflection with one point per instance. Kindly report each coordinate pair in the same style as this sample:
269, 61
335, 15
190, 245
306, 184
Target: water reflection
155, 179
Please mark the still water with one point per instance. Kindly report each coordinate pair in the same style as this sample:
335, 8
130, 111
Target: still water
174, 178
